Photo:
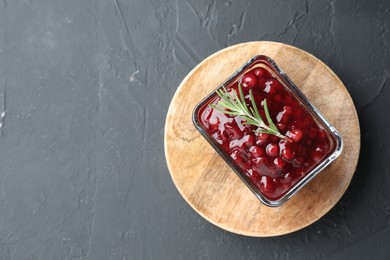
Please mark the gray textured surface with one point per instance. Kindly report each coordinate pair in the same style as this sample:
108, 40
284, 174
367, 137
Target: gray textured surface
85, 86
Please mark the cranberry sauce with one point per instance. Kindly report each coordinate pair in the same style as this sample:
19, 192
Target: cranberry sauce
272, 164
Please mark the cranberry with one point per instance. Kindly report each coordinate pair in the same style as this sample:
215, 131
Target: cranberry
281, 126
272, 150
261, 142
276, 84
267, 184
256, 151
274, 139
288, 153
261, 73
295, 135
279, 163
269, 88
262, 136
249, 80
261, 83
284, 116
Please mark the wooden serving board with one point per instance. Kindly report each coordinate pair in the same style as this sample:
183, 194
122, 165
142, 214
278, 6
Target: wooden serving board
208, 184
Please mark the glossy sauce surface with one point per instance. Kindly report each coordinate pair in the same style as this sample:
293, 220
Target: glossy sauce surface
273, 165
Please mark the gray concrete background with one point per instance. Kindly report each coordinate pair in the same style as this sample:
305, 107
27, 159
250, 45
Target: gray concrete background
84, 90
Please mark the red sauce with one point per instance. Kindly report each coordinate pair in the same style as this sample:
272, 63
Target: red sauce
272, 164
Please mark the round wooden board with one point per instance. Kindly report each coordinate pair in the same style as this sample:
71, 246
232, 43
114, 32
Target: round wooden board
208, 184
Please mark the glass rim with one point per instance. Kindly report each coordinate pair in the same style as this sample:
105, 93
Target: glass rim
304, 100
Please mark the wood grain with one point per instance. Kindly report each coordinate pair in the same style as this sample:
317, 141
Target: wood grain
213, 189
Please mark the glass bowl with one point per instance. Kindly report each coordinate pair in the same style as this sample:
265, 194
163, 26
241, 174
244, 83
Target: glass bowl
274, 167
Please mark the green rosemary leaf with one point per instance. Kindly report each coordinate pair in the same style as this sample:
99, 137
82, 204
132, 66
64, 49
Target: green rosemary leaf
241, 94
249, 121
222, 96
223, 104
268, 116
224, 111
265, 131
257, 114
233, 103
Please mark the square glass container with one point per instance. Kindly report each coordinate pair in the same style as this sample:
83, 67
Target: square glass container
273, 169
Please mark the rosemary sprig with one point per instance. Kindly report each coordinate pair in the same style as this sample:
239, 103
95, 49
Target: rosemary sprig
233, 104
